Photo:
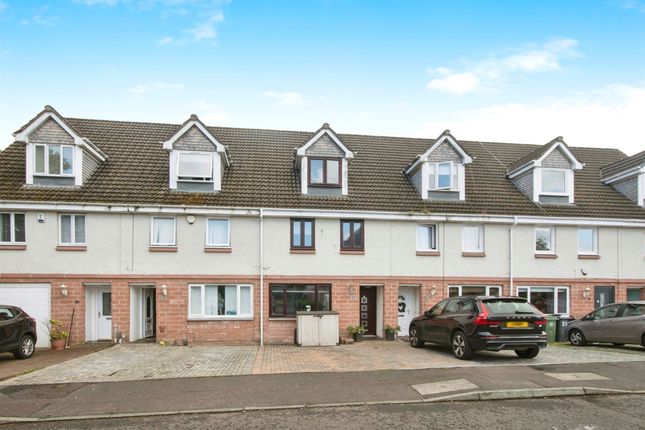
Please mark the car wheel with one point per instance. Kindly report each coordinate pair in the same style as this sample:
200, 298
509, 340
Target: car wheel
643, 340
527, 353
618, 344
414, 338
577, 338
26, 348
460, 346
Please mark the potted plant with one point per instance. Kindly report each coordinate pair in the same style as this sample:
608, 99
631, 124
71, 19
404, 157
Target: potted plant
356, 331
57, 334
390, 331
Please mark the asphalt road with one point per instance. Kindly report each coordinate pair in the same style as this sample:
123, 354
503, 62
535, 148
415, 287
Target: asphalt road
579, 413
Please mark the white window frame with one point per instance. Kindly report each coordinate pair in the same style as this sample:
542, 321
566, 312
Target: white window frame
174, 237
46, 160
488, 288
12, 228
436, 237
555, 289
202, 315
454, 169
228, 233
594, 232
568, 183
73, 230
203, 180
482, 246
551, 238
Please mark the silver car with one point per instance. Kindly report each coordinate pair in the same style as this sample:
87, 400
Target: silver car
618, 323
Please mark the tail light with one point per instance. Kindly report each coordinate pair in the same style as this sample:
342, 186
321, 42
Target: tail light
540, 323
482, 318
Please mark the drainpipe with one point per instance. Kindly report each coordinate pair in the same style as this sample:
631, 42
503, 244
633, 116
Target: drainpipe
261, 277
510, 256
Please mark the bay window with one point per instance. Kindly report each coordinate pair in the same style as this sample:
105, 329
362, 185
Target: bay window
54, 160
287, 299
214, 301
549, 300
12, 228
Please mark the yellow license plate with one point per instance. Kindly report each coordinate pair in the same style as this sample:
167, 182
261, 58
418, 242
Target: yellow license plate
517, 324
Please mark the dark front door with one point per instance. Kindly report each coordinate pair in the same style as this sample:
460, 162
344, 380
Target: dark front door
603, 296
368, 310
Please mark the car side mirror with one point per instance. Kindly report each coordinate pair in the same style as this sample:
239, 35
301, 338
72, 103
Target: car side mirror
428, 314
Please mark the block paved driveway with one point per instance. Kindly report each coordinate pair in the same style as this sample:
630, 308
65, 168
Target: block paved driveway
151, 361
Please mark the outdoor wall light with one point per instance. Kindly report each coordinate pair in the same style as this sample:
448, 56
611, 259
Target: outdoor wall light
191, 219
164, 290
433, 290
586, 293
63, 290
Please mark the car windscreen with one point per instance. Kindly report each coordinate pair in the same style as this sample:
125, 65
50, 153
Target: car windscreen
509, 306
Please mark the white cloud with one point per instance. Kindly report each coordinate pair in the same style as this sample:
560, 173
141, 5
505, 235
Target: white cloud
97, 2
490, 72
285, 98
633, 4
606, 117
208, 113
153, 87
3, 5
206, 30
167, 41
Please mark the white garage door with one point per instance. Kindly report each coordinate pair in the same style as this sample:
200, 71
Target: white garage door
35, 300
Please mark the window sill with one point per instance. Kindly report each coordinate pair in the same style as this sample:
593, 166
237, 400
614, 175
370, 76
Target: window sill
429, 253
219, 249
302, 251
473, 254
71, 248
352, 251
324, 185
588, 257
13, 247
220, 318
162, 249
282, 318
547, 256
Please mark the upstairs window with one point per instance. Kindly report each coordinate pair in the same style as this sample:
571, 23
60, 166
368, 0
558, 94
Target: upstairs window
554, 181
72, 229
163, 231
352, 235
195, 167
472, 239
54, 160
218, 233
302, 234
587, 241
324, 172
12, 228
444, 176
426, 238
545, 240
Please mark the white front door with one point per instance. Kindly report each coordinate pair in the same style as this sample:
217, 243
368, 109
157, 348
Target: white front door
148, 312
104, 313
407, 308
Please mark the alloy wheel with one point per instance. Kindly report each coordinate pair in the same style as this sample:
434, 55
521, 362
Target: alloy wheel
576, 338
458, 345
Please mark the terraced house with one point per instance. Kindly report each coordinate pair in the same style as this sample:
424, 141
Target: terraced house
211, 234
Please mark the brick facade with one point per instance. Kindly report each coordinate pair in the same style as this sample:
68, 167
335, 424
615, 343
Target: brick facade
174, 326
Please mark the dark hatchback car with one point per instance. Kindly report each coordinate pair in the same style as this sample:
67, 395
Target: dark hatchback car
17, 332
470, 324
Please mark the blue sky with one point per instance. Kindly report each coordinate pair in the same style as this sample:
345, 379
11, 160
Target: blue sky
496, 70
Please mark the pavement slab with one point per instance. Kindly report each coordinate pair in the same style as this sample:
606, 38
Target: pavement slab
576, 376
444, 387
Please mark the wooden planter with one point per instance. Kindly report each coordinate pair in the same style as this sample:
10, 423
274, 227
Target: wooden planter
58, 344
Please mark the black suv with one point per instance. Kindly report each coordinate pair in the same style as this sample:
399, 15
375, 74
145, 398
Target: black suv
17, 332
469, 324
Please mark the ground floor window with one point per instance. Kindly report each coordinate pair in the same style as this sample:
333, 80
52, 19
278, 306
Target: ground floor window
634, 294
287, 299
220, 301
474, 290
549, 300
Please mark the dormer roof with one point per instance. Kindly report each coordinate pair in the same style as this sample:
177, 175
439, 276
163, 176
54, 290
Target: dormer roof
536, 157
22, 135
191, 122
324, 130
445, 137
626, 167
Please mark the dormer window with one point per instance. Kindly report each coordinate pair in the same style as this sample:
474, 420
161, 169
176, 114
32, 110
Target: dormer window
196, 159
194, 167
546, 175
444, 176
54, 160
323, 163
324, 172
439, 173
627, 176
